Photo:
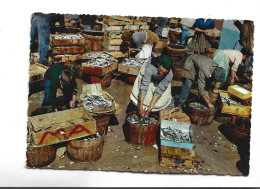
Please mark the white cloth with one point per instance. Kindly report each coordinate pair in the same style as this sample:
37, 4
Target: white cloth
145, 52
162, 102
188, 22
235, 57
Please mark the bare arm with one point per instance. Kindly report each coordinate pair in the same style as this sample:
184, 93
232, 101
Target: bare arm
153, 102
207, 100
141, 102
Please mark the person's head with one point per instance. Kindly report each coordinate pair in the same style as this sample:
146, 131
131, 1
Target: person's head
245, 53
164, 64
65, 78
126, 36
124, 47
219, 74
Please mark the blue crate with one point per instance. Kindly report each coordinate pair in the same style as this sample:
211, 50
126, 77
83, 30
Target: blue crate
185, 127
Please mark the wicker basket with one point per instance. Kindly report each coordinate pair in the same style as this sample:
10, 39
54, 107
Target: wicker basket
176, 50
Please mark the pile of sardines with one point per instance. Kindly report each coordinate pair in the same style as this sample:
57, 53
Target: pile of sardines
96, 100
198, 106
92, 137
68, 36
176, 135
97, 55
141, 121
229, 100
100, 62
132, 62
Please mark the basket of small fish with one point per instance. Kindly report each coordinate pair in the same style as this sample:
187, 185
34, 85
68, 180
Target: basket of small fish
87, 149
99, 66
199, 113
96, 101
176, 134
141, 130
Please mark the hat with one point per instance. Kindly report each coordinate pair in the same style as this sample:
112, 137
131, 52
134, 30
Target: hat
165, 61
219, 74
126, 36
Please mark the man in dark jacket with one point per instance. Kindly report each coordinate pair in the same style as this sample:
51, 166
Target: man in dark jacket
58, 76
203, 68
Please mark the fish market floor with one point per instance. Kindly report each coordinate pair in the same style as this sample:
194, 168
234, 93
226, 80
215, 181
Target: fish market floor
214, 153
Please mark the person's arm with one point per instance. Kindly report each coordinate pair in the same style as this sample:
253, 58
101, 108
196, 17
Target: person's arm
152, 104
238, 24
202, 31
233, 77
74, 93
201, 89
52, 97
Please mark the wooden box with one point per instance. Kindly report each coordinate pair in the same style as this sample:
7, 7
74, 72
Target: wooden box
186, 128
99, 71
67, 42
128, 69
113, 28
177, 157
96, 89
121, 18
67, 58
116, 22
110, 41
138, 22
60, 126
240, 110
132, 27
68, 50
113, 34
36, 72
111, 47
89, 55
239, 92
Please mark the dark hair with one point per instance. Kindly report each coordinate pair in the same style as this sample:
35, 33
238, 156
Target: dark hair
126, 36
124, 47
246, 52
66, 77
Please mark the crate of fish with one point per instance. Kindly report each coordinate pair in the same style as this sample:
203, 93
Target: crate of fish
229, 105
96, 54
141, 130
56, 127
176, 134
95, 100
67, 58
67, 40
68, 50
130, 66
199, 113
99, 66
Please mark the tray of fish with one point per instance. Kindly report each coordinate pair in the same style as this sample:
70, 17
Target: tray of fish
141, 121
132, 62
176, 134
99, 66
67, 39
229, 101
95, 103
92, 137
93, 55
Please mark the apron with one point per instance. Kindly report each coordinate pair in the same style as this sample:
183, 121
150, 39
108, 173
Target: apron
145, 52
162, 102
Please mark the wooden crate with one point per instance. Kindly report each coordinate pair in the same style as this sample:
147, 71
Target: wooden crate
87, 54
68, 50
36, 72
240, 110
113, 34
121, 18
60, 126
96, 89
67, 58
109, 41
99, 71
116, 22
178, 162
239, 92
67, 42
110, 47
128, 69
138, 22
113, 28
131, 27
105, 80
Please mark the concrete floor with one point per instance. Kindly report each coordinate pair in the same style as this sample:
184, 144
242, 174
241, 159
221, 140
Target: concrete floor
214, 153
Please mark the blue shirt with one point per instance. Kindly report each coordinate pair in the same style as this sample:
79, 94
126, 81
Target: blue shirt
209, 24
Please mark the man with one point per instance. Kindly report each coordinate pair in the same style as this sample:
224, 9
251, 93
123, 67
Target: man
156, 25
152, 88
40, 28
141, 42
203, 68
58, 76
186, 24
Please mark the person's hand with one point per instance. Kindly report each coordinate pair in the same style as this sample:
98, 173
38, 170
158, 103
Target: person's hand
72, 104
211, 106
232, 81
147, 112
215, 90
32, 17
141, 111
55, 109
205, 32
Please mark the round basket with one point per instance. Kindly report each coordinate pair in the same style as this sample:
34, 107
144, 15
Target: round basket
40, 157
239, 128
140, 135
200, 116
176, 50
86, 151
102, 121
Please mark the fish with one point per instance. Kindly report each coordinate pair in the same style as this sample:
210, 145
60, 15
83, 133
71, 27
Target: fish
142, 121
175, 135
92, 137
96, 100
97, 55
100, 62
67, 36
132, 62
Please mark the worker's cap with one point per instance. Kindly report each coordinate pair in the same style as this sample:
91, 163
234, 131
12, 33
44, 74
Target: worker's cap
66, 77
165, 61
219, 74
126, 36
